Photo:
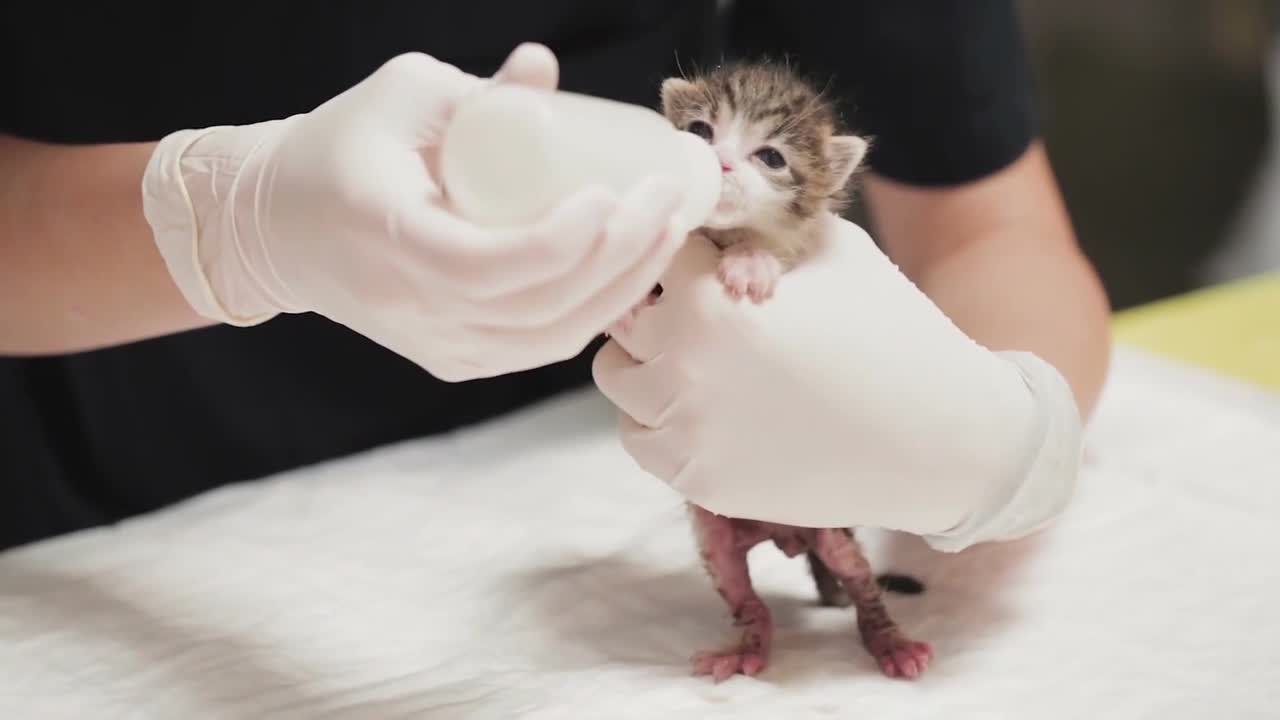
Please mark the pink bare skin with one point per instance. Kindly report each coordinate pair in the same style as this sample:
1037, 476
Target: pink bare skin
724, 549
898, 655
833, 554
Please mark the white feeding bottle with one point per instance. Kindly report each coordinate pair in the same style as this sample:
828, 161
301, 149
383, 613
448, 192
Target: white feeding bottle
511, 153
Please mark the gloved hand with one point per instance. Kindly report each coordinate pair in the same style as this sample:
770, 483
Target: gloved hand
337, 211
848, 399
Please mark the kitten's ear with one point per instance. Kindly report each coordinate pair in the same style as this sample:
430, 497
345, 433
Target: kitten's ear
847, 153
676, 91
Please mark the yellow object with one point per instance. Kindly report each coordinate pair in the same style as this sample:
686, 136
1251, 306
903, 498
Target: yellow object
1232, 328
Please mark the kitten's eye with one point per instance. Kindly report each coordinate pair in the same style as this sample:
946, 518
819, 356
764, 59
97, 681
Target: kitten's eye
771, 157
701, 129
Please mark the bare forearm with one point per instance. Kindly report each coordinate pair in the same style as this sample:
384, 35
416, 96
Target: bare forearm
999, 257
78, 268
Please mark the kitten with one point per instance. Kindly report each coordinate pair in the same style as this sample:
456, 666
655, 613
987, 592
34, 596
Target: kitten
785, 163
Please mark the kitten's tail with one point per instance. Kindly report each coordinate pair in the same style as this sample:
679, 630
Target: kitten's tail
832, 594
899, 583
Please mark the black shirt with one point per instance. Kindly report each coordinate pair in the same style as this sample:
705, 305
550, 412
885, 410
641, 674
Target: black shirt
94, 437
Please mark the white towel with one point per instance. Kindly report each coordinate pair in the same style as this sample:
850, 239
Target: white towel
526, 569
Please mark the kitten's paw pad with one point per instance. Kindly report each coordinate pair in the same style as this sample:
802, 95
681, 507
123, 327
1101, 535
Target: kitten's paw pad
754, 274
901, 657
724, 664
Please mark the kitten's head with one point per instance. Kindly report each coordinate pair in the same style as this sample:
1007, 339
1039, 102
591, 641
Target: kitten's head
777, 139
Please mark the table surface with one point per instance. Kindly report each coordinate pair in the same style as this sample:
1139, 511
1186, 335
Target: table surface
526, 568
485, 574
1232, 329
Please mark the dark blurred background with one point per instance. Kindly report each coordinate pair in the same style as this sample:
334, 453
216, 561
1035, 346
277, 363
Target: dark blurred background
1156, 114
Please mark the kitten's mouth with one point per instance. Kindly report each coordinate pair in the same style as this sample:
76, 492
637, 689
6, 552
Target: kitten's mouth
726, 210
723, 217
730, 196
729, 207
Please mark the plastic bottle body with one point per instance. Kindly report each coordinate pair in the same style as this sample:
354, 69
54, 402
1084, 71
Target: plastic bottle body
510, 154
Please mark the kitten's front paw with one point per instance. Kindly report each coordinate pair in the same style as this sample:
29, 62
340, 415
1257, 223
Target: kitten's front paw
753, 273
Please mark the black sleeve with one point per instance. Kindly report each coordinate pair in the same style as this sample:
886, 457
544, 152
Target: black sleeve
944, 86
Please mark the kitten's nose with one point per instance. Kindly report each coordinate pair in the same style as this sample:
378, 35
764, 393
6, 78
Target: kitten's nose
724, 156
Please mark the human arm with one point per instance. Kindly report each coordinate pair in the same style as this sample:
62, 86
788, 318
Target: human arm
847, 399
961, 191
78, 266
999, 257
339, 211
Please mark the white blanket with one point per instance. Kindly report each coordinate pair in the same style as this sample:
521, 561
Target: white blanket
526, 569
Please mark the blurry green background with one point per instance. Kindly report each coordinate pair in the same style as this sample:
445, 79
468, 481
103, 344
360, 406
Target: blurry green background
1156, 117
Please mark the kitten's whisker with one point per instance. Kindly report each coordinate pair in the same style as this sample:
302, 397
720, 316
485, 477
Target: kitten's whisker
769, 104
814, 105
679, 69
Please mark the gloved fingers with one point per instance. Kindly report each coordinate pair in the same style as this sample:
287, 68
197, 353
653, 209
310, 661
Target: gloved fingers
416, 94
503, 351
649, 331
431, 349
631, 386
457, 370
634, 245
531, 64
656, 451
596, 314
568, 336
589, 240
481, 264
532, 346
454, 371
450, 353
692, 269
695, 263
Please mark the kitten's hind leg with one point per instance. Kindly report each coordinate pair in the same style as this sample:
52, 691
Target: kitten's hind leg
830, 592
726, 562
898, 655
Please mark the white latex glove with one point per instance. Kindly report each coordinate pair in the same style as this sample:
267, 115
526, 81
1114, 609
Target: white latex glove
848, 399
337, 211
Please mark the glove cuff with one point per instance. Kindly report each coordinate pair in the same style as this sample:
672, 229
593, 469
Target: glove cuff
189, 198
1034, 497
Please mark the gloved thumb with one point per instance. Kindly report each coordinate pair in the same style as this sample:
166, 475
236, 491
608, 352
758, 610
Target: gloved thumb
692, 269
530, 64
694, 263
